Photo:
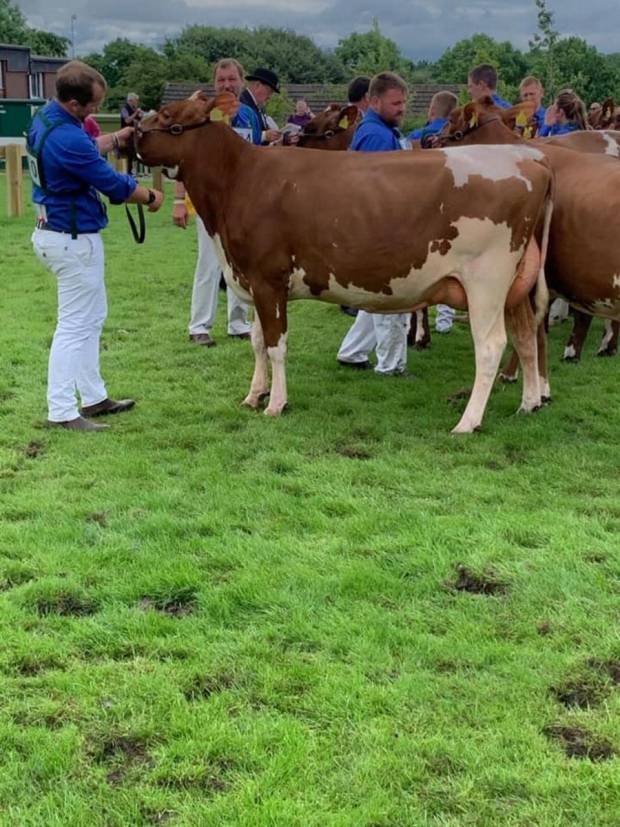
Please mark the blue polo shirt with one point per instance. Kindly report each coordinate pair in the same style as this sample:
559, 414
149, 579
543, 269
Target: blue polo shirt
375, 135
246, 119
558, 129
431, 128
500, 101
74, 174
539, 117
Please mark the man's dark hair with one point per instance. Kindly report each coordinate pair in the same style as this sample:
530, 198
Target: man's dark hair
75, 81
384, 82
485, 73
358, 88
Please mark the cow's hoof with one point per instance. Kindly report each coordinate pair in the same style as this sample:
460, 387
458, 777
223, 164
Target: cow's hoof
571, 360
422, 345
546, 400
607, 352
465, 429
530, 408
276, 411
507, 378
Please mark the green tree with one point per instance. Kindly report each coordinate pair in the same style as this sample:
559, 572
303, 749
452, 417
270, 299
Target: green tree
15, 29
583, 68
456, 63
543, 49
371, 52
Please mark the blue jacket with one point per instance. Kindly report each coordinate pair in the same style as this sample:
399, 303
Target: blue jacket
375, 135
557, 129
500, 101
432, 128
539, 118
247, 119
74, 174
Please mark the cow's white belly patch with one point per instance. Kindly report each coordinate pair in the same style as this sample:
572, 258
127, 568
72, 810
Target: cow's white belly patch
227, 270
495, 163
475, 237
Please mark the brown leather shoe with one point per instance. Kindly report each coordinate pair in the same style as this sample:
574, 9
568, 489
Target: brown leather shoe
108, 406
239, 336
202, 339
78, 424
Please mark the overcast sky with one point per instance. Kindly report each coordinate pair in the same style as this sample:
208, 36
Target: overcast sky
422, 28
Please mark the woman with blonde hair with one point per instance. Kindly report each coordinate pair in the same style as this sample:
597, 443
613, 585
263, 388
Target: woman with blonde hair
566, 114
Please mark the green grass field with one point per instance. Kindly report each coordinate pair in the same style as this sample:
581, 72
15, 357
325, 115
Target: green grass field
342, 618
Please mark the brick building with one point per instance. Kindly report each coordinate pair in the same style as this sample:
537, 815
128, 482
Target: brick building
24, 76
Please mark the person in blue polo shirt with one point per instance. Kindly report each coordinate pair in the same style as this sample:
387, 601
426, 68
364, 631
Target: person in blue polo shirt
387, 334
482, 83
68, 174
531, 89
439, 109
566, 114
227, 77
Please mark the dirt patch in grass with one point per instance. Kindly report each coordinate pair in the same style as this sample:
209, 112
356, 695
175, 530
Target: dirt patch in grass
544, 628
178, 604
15, 574
30, 664
579, 743
609, 668
123, 753
203, 686
212, 778
98, 517
156, 817
580, 692
34, 449
487, 583
353, 452
66, 604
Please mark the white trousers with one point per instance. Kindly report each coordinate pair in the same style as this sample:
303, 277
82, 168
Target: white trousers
205, 290
444, 318
78, 265
387, 334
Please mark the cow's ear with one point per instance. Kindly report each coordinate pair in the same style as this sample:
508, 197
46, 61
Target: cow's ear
347, 116
199, 95
519, 115
223, 107
470, 115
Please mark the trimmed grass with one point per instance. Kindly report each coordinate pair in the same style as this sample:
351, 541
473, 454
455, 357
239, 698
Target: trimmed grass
343, 618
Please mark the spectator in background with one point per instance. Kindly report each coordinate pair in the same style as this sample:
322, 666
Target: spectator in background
566, 114
131, 115
262, 84
302, 114
439, 109
482, 83
92, 128
358, 93
531, 89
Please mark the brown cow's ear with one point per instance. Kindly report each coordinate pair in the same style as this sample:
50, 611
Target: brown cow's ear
470, 115
347, 116
199, 95
223, 107
519, 115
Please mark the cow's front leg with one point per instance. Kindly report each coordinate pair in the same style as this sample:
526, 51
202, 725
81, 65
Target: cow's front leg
260, 380
271, 310
609, 342
574, 346
522, 326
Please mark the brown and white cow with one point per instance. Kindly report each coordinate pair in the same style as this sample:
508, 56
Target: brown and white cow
332, 129
583, 264
383, 232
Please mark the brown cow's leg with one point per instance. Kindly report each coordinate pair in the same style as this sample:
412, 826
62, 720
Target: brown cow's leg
574, 346
609, 343
543, 362
260, 381
270, 306
510, 372
419, 335
522, 326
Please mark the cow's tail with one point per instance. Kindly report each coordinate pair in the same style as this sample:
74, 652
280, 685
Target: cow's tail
541, 296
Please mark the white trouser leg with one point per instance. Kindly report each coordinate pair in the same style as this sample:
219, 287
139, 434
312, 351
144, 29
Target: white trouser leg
391, 333
360, 340
206, 283
237, 314
78, 265
444, 319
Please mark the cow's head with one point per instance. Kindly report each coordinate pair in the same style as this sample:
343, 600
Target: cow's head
607, 115
466, 120
162, 139
332, 129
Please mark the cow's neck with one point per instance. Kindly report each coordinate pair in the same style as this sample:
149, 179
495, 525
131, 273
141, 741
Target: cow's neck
494, 132
210, 168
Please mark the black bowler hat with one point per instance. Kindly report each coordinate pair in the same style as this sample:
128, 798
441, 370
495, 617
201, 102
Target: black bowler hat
267, 77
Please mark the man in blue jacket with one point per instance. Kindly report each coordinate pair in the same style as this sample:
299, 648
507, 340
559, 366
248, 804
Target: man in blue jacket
482, 83
385, 333
68, 174
227, 77
531, 89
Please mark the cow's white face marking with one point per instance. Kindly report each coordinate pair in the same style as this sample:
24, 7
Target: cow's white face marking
227, 270
495, 163
616, 281
570, 352
612, 147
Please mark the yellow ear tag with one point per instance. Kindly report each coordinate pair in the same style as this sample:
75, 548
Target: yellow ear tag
344, 123
607, 113
527, 133
218, 116
189, 206
521, 119
474, 121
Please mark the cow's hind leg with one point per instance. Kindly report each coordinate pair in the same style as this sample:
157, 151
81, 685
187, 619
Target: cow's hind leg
510, 372
270, 306
522, 325
488, 329
260, 380
609, 343
574, 346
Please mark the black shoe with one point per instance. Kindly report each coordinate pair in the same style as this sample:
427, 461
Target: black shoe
355, 365
108, 406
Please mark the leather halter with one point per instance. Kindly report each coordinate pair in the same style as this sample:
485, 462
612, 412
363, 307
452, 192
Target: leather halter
460, 134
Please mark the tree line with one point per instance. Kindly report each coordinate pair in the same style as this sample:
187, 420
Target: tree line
558, 61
